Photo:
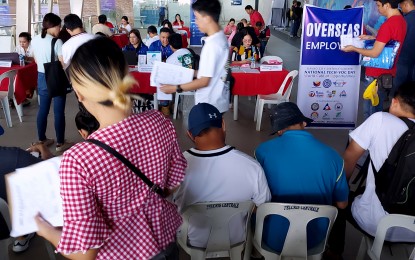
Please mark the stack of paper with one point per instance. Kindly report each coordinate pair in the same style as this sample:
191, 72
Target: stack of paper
32, 190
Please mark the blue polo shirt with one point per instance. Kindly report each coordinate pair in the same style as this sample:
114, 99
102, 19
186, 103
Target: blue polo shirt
165, 50
300, 169
140, 50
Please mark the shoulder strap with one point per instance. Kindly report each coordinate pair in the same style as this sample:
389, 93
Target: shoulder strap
408, 122
52, 50
153, 187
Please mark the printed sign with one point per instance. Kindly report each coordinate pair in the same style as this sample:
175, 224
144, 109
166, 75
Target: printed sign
329, 79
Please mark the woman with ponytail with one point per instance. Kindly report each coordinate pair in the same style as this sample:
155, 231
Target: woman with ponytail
109, 212
41, 45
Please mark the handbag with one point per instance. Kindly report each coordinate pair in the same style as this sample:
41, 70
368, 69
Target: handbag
153, 187
386, 58
56, 80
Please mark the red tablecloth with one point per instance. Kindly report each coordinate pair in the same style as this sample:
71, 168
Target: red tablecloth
144, 83
264, 83
187, 29
121, 39
252, 84
26, 79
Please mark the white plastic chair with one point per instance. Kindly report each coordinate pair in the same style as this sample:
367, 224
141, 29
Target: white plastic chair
373, 248
6, 95
299, 215
177, 98
218, 215
268, 58
276, 98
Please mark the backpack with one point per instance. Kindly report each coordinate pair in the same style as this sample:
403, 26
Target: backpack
395, 180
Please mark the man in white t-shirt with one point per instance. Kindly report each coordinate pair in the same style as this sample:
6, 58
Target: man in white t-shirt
101, 27
378, 134
181, 56
152, 35
211, 86
217, 172
75, 28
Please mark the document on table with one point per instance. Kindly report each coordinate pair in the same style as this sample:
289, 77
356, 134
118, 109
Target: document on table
347, 39
164, 73
31, 190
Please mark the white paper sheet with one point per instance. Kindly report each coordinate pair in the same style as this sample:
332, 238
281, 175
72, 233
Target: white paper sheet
31, 190
347, 39
164, 73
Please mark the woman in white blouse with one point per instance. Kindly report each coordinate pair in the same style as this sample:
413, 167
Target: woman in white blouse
24, 48
125, 26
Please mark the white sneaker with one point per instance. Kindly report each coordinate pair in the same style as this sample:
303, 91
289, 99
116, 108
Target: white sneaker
22, 245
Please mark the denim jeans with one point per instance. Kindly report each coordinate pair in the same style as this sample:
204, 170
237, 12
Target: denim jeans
44, 107
262, 47
368, 109
295, 27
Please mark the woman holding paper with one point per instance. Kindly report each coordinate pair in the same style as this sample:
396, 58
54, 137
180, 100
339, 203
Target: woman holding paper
109, 212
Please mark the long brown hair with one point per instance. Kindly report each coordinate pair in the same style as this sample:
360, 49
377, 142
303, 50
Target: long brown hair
49, 21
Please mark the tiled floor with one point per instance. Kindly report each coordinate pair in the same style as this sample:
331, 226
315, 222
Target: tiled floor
240, 134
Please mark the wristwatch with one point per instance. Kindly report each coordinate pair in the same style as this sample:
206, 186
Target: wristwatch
179, 89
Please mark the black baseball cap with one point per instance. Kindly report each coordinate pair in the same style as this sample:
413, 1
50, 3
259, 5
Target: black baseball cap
285, 115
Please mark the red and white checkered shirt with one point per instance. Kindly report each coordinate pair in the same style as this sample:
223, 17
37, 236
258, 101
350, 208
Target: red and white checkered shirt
106, 205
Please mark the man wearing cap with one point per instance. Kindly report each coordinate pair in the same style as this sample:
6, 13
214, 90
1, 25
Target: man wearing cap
217, 172
299, 169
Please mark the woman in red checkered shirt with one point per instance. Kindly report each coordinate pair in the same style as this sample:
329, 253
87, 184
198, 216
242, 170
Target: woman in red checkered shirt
109, 212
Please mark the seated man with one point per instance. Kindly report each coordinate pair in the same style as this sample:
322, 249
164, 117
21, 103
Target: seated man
181, 56
162, 45
378, 134
217, 172
152, 34
299, 169
101, 26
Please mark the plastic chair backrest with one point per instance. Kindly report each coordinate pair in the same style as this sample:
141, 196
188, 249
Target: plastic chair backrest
299, 215
11, 74
388, 221
290, 76
268, 58
218, 215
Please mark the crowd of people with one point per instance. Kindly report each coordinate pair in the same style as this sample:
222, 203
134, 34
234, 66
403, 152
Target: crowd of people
106, 206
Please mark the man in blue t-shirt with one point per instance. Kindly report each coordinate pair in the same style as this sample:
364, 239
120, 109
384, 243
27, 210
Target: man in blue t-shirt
299, 169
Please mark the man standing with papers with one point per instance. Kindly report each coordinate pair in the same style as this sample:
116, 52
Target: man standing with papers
210, 84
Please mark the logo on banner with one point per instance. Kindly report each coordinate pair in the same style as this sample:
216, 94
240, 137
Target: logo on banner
331, 94
338, 106
327, 83
338, 114
311, 94
343, 93
316, 84
326, 116
314, 115
339, 83
327, 107
315, 106
319, 93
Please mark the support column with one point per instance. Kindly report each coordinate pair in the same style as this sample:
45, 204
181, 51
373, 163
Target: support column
77, 7
98, 7
23, 16
50, 6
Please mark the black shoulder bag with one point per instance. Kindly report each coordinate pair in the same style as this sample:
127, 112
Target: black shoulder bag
153, 187
56, 79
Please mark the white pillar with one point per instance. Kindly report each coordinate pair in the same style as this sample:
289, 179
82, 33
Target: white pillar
50, 6
98, 7
23, 16
77, 7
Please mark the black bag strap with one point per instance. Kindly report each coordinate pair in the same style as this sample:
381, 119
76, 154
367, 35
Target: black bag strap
153, 187
52, 50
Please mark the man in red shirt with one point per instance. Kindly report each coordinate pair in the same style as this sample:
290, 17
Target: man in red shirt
254, 17
394, 28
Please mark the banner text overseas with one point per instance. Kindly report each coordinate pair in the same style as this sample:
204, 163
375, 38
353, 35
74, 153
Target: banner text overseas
332, 29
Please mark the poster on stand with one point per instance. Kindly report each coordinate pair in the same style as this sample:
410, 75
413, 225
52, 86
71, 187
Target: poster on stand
329, 79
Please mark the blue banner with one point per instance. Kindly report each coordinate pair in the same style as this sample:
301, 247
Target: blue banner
321, 35
329, 79
195, 34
